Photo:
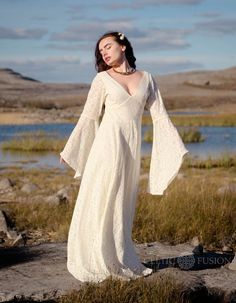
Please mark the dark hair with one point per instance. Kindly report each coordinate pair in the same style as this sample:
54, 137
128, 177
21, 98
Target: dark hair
100, 65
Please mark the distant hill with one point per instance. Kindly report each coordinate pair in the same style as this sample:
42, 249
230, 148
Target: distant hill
17, 91
9, 76
194, 89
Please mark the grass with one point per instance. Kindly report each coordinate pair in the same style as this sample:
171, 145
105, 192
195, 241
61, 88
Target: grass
188, 135
34, 142
223, 161
199, 120
161, 290
190, 207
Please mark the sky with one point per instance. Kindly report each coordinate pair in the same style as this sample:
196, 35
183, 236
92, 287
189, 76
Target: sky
54, 40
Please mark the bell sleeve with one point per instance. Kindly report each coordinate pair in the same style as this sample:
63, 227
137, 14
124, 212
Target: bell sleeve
77, 148
167, 147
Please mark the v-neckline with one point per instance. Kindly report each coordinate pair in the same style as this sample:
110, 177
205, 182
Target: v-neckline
137, 88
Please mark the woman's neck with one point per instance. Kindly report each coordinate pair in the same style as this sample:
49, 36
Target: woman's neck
122, 67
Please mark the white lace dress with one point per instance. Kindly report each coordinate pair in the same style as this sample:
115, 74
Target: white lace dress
107, 158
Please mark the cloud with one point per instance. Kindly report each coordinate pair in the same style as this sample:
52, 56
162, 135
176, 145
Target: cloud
70, 47
168, 65
209, 14
139, 4
51, 69
90, 31
86, 35
70, 69
218, 27
22, 33
162, 39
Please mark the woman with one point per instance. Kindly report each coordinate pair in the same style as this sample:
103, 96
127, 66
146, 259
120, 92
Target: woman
107, 157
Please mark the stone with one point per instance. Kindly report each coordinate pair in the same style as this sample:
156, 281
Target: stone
232, 265
53, 199
39, 273
20, 239
29, 188
226, 248
12, 234
63, 195
195, 241
6, 184
3, 222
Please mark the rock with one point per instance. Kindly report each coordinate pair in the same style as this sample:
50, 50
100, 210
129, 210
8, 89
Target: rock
20, 239
53, 199
226, 248
198, 249
29, 188
195, 241
6, 184
3, 222
63, 195
227, 188
60, 197
39, 273
232, 265
12, 234
9, 237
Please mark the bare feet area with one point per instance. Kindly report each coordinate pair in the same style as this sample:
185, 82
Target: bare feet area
28, 101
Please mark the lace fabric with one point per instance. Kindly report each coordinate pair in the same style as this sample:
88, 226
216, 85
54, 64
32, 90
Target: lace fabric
78, 146
168, 149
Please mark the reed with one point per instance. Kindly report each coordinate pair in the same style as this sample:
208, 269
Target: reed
190, 207
198, 120
188, 135
166, 289
34, 142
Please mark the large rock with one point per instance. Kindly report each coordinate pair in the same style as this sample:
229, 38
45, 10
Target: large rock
9, 236
39, 273
6, 184
29, 188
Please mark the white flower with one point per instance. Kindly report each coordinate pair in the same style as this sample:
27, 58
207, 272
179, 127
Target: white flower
122, 36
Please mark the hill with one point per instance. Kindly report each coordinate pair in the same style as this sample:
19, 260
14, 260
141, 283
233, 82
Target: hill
185, 90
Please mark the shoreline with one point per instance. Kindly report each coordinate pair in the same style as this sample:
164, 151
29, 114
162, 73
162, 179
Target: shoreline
14, 116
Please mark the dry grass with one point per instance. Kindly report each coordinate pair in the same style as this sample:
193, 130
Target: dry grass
161, 290
199, 120
188, 135
190, 206
34, 142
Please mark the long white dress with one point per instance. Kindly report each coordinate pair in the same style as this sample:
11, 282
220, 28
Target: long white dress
106, 156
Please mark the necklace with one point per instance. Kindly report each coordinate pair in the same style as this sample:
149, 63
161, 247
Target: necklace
131, 71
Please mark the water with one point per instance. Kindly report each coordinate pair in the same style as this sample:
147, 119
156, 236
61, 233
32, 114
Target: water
218, 140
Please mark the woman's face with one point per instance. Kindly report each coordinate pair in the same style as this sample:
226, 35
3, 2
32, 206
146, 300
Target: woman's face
112, 52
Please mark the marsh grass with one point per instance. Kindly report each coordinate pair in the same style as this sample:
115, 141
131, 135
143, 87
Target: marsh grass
160, 289
188, 135
199, 120
190, 207
42, 216
34, 142
225, 160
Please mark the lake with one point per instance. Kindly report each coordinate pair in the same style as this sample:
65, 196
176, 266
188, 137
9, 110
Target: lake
218, 140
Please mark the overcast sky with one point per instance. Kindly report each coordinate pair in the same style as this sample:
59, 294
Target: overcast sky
54, 40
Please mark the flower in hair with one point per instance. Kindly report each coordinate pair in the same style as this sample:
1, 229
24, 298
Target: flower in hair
122, 36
